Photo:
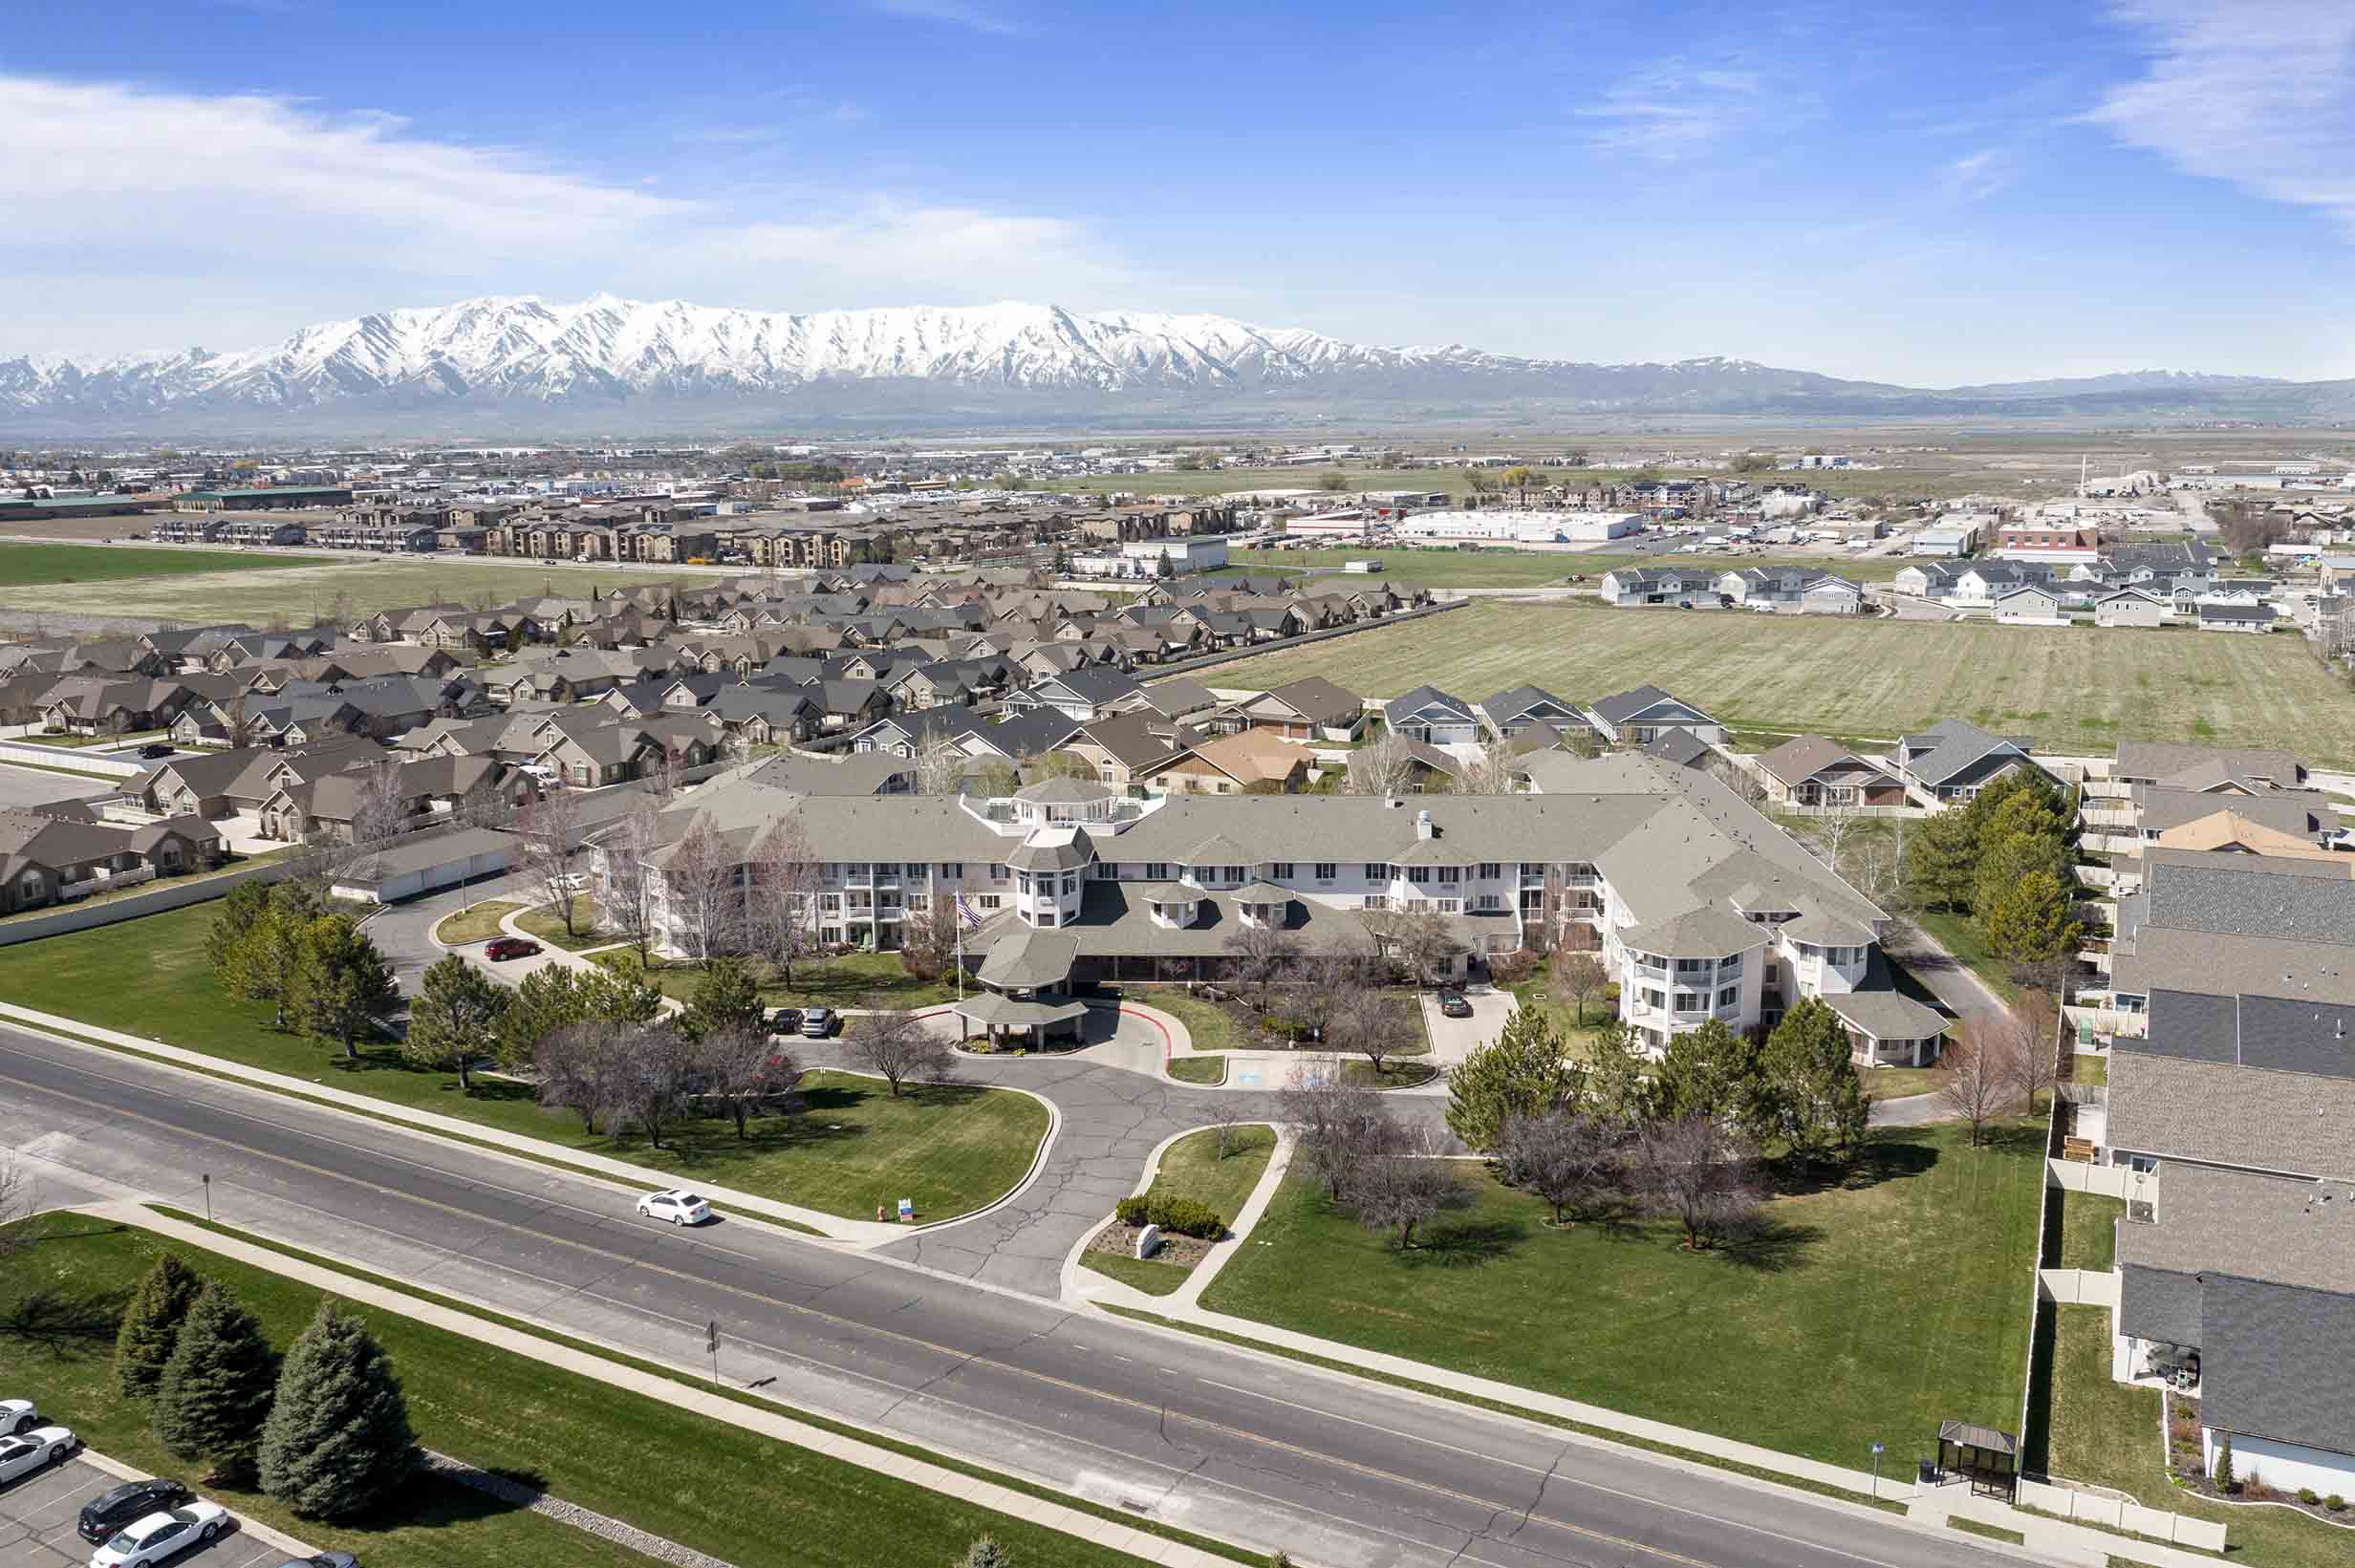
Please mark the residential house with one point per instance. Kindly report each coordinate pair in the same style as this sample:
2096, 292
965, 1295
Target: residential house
58, 852
2130, 607
1247, 761
1640, 716
1811, 770
1952, 760
1517, 709
1306, 710
1433, 716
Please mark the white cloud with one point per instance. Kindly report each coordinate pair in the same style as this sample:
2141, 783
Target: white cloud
1673, 111
239, 198
2254, 92
955, 12
1979, 174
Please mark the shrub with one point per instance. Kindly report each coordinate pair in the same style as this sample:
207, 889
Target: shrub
1132, 1210
2306, 1495
2334, 1502
1185, 1216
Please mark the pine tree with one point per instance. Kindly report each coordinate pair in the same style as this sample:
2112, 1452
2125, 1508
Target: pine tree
342, 983
1526, 1071
261, 965
455, 1018
2224, 1478
546, 1001
1711, 1072
337, 1441
236, 915
151, 1325
2029, 921
215, 1391
726, 996
1619, 1079
1819, 1105
1938, 860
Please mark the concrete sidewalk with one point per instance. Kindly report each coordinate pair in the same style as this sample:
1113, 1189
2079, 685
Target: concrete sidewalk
682, 1395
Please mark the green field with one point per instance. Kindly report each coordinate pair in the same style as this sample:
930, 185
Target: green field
850, 981
40, 565
1529, 567
685, 1476
2078, 689
1871, 1310
1191, 1168
950, 1148
260, 588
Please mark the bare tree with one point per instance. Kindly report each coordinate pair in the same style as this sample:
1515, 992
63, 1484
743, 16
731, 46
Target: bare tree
1976, 1074
488, 803
1741, 779
1416, 936
1259, 957
1495, 771
664, 775
627, 896
2037, 1060
1224, 1119
895, 1044
1582, 977
1337, 1127
1402, 1186
928, 938
15, 1204
1373, 1024
1567, 1159
742, 1069
782, 898
1382, 766
547, 832
575, 1067
378, 814
1699, 1171
702, 901
1831, 834
652, 1078
940, 769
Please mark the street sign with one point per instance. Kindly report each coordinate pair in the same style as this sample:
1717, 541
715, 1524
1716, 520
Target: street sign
711, 1343
907, 1209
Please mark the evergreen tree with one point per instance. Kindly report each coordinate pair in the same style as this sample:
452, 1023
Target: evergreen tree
1938, 860
2226, 1481
620, 995
1526, 1071
1619, 1078
546, 1001
986, 1553
247, 903
342, 983
1712, 1072
215, 1391
726, 996
261, 965
337, 1441
2009, 861
455, 1018
2029, 922
151, 1325
1811, 1078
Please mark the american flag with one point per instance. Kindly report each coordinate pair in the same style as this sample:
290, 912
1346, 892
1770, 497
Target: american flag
965, 911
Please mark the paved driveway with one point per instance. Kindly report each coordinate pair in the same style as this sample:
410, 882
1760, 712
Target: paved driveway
1451, 1040
36, 1525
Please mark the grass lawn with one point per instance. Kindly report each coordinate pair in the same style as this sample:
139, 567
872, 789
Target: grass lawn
1897, 1082
682, 1475
2073, 688
950, 1148
846, 982
76, 741
1960, 935
1206, 1021
547, 924
2090, 1070
1394, 1075
476, 922
2088, 1223
260, 586
1563, 1011
1991, 1532
1867, 1311
33, 565
1148, 1275
1197, 1070
2086, 1427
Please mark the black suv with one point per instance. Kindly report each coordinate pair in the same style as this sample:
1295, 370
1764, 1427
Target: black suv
133, 1500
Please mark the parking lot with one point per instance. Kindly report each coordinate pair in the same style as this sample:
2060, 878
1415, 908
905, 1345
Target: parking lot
36, 1524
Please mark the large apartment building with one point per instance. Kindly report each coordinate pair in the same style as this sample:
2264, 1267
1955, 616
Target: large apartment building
1702, 908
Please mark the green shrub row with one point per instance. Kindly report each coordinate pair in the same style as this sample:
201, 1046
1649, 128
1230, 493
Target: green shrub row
1176, 1216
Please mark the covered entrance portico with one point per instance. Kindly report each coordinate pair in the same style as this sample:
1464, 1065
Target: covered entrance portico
1027, 975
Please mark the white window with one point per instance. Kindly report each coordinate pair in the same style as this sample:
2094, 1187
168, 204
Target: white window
1281, 870
1490, 871
1728, 994
1449, 876
1325, 870
989, 901
1376, 871
997, 873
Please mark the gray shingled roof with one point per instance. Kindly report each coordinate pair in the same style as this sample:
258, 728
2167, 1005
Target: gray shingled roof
2280, 1229
2295, 1122
2274, 1363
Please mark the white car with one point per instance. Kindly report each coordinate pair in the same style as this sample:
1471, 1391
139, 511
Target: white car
18, 1416
161, 1536
36, 1449
677, 1206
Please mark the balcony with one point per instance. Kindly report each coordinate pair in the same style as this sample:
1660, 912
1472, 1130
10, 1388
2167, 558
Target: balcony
1650, 972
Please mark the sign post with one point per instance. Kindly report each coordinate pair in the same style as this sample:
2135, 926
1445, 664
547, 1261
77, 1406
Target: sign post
1876, 1470
907, 1210
208, 1198
711, 1343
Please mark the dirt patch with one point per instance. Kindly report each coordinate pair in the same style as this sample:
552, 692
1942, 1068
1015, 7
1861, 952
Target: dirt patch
1120, 1240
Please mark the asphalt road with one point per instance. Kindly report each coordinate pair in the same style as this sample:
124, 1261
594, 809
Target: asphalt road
1174, 1429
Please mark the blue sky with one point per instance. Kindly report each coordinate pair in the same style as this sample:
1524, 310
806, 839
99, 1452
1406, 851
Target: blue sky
1932, 194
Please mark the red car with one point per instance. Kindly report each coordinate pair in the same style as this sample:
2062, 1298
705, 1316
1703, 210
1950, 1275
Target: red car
503, 947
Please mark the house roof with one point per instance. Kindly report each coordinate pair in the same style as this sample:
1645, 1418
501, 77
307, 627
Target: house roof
2282, 1229
1886, 1014
1803, 757
1421, 699
1680, 747
2274, 1361
1620, 707
1316, 698
2185, 767
1952, 746
2221, 1114
1028, 959
1514, 701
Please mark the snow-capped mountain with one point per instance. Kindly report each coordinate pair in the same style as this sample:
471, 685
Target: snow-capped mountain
522, 361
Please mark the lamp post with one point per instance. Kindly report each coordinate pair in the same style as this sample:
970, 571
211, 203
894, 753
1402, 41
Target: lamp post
1876, 1470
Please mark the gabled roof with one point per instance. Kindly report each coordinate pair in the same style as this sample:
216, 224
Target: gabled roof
1949, 747
1620, 707
1424, 700
1514, 701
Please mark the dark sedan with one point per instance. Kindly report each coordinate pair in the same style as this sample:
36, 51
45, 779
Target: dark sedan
1454, 1005
117, 1506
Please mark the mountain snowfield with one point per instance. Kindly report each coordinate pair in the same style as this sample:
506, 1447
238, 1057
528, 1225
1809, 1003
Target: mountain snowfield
523, 361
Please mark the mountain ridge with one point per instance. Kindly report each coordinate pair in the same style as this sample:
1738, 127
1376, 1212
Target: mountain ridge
524, 361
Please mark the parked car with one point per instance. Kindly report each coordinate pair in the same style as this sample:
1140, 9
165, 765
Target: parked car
155, 748
678, 1206
1452, 1004
817, 1023
117, 1506
500, 949
17, 1417
161, 1537
35, 1451
325, 1560
783, 1020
